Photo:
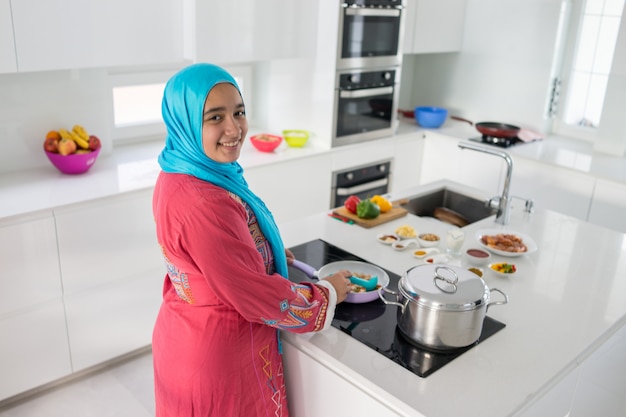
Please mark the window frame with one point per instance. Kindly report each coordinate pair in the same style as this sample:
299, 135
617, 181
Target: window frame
574, 13
156, 130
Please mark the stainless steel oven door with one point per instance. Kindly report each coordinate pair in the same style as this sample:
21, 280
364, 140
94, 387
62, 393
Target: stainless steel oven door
370, 36
365, 106
363, 181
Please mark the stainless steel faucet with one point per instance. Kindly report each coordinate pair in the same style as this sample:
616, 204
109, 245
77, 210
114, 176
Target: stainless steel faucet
501, 203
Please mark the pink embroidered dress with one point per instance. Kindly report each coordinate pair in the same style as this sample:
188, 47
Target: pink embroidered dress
215, 343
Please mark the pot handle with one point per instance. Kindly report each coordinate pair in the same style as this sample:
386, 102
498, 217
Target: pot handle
497, 303
394, 303
306, 268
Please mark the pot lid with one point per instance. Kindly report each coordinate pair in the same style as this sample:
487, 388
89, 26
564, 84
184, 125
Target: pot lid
445, 287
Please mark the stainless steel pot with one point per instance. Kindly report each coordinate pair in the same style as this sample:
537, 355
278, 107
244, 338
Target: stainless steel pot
441, 306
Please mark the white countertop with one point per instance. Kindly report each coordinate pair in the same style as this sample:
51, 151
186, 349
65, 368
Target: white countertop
565, 300
129, 168
559, 151
135, 167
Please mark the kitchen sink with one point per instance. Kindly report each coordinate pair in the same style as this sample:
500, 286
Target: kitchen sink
469, 208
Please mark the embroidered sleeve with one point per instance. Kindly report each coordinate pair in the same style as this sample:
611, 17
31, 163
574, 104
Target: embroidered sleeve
215, 249
310, 307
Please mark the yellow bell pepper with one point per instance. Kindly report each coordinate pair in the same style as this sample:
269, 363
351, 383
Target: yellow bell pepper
383, 203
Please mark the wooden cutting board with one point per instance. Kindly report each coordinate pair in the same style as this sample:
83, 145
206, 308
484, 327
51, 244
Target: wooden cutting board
394, 213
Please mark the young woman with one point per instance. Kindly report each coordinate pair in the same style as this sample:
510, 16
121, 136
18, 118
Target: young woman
215, 345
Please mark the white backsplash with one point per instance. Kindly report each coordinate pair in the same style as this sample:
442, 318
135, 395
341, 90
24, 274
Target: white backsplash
31, 104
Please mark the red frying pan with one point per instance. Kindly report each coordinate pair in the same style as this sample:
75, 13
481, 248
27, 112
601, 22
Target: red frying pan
497, 130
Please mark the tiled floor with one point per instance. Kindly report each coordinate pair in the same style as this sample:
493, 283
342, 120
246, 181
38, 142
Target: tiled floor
122, 390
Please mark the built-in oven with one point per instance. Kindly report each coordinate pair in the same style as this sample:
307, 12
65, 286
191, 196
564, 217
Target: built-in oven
366, 103
370, 33
364, 181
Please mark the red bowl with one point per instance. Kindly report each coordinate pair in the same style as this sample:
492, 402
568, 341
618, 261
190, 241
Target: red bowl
266, 142
74, 163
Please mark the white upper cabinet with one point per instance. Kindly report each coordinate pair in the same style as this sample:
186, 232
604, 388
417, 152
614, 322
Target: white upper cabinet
64, 34
8, 61
434, 26
236, 31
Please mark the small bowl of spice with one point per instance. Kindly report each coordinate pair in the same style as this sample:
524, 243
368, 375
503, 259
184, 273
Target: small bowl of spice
477, 256
428, 240
422, 252
387, 238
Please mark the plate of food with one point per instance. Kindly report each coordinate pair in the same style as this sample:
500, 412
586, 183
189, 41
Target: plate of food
505, 242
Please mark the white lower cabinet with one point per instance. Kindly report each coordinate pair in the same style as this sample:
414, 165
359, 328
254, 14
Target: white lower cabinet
553, 188
313, 390
444, 160
609, 205
33, 335
602, 384
407, 162
33, 348
293, 189
557, 401
112, 275
113, 320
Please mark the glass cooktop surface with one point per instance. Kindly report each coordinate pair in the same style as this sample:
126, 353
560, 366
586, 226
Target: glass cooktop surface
374, 323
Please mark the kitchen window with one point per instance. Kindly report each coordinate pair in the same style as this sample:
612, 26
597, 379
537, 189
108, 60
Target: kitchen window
136, 98
588, 54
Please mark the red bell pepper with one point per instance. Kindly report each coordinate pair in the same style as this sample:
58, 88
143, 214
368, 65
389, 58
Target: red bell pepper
351, 203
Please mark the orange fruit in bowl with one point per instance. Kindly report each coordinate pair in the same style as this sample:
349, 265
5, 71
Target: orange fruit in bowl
53, 134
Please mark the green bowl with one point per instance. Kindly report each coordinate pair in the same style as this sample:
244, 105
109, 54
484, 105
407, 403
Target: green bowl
296, 138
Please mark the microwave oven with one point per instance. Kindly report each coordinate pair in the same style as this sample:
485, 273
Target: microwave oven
370, 33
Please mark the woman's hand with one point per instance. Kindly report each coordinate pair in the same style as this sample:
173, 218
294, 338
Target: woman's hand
290, 256
341, 283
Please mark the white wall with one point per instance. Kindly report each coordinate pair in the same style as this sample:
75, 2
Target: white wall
503, 72
31, 104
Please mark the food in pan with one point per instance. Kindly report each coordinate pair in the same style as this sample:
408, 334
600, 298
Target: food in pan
360, 282
505, 242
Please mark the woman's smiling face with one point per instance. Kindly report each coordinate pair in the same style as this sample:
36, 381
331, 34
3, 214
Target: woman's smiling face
224, 123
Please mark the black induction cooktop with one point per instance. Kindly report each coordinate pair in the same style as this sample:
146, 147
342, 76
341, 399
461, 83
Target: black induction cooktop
374, 324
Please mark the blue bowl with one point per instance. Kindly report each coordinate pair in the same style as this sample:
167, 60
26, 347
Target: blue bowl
430, 116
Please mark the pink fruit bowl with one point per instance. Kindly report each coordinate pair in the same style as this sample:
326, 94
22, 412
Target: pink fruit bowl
266, 142
74, 163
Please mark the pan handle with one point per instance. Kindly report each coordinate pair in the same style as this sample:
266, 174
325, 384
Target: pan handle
460, 119
306, 268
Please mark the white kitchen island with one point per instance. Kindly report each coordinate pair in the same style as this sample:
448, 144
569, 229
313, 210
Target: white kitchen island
567, 302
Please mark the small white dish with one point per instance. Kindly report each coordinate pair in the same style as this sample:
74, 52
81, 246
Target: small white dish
388, 238
406, 232
494, 267
441, 258
429, 240
423, 252
403, 244
477, 257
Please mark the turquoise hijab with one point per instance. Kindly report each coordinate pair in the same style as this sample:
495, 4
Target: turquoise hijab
182, 108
